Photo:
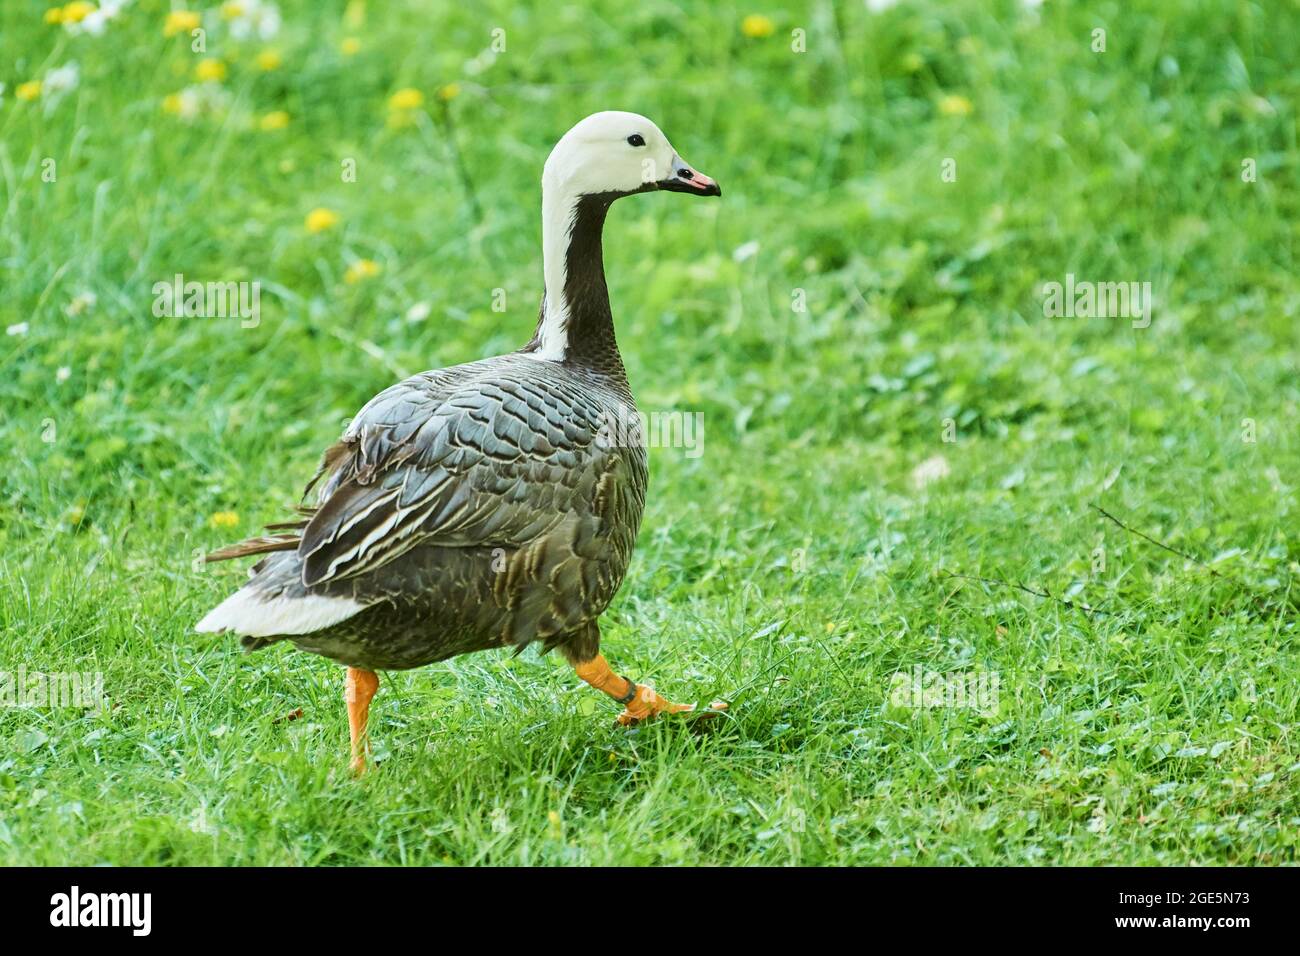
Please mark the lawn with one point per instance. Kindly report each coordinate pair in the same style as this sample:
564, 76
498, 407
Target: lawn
896, 432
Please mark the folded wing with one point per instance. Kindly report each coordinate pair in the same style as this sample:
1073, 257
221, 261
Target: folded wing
489, 461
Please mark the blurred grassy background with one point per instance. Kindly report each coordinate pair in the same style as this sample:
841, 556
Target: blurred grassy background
802, 560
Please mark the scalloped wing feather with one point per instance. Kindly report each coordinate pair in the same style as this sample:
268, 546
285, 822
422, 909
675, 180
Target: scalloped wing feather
494, 461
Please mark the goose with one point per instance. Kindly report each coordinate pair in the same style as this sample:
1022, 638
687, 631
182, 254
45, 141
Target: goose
482, 505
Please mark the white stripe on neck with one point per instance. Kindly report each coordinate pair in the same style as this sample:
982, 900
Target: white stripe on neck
558, 212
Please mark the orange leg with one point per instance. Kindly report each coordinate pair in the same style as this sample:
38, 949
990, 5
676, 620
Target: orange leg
358, 689
640, 702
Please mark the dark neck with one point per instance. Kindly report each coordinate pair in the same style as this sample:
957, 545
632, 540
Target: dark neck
589, 330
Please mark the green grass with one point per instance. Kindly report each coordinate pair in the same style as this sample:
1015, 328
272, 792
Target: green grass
796, 566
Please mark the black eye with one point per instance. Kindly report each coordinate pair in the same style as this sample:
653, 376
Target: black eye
636, 140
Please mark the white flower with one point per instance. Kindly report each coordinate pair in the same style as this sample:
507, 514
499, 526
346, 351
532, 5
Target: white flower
747, 251
203, 98
255, 18
880, 6
59, 82
934, 468
18, 329
81, 302
63, 374
418, 312
95, 21
190, 103
62, 79
94, 24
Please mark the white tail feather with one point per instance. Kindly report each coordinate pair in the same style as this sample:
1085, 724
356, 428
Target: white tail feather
251, 613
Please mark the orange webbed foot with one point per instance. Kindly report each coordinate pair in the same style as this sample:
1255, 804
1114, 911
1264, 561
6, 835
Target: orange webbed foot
639, 701
647, 704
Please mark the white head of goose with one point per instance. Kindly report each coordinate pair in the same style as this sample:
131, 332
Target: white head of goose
482, 505
605, 157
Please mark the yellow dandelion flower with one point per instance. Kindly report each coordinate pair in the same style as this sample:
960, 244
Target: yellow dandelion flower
361, 269
350, 46
77, 11
449, 92
224, 519
955, 105
269, 60
320, 219
406, 99
172, 103
181, 21
54, 15
210, 70
28, 91
756, 26
278, 119
232, 11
